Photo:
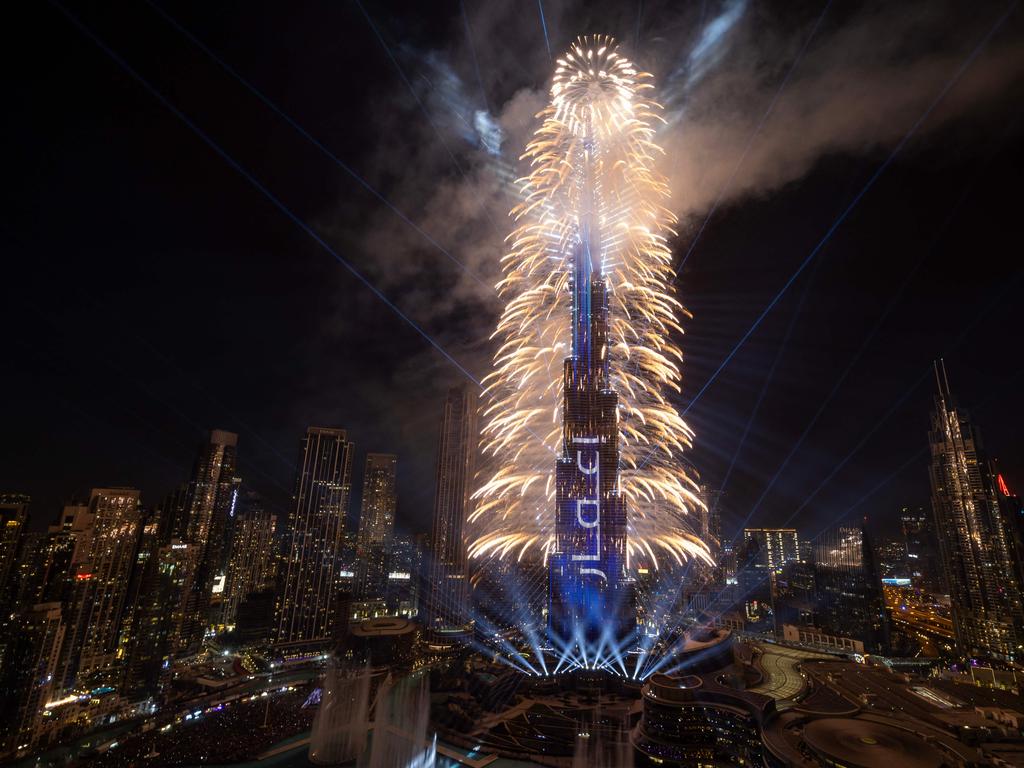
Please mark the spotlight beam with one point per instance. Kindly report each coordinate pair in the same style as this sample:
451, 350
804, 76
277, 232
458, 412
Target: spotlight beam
544, 26
879, 321
750, 141
953, 80
269, 103
770, 375
1007, 286
412, 91
241, 170
472, 50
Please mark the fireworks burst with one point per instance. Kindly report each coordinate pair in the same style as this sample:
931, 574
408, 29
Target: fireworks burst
598, 107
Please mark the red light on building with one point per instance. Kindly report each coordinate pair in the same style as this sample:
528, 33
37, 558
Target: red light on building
83, 576
1002, 486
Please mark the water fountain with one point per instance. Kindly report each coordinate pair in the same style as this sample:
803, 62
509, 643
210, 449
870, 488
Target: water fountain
341, 723
599, 746
400, 726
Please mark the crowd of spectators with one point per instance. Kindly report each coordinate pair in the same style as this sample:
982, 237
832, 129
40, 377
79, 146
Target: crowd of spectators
238, 732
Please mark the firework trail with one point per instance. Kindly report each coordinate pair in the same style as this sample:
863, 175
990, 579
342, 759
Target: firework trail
598, 109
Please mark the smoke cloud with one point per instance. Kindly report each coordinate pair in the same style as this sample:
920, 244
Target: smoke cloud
449, 147
859, 86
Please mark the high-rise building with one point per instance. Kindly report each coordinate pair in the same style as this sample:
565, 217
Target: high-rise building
402, 577
29, 675
101, 577
13, 514
590, 594
376, 530
848, 600
840, 548
774, 546
1012, 507
210, 498
251, 558
380, 498
307, 602
710, 520
976, 544
158, 616
447, 604
922, 547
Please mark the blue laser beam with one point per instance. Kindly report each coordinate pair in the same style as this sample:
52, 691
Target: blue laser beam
916, 456
768, 378
957, 75
750, 140
851, 364
238, 167
472, 50
266, 100
1007, 286
415, 96
544, 26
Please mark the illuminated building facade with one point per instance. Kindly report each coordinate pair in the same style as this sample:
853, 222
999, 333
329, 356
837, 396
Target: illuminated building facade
102, 576
976, 544
589, 592
210, 499
307, 601
250, 562
402, 580
29, 676
380, 498
164, 569
848, 599
13, 513
774, 547
922, 558
376, 530
447, 605
579, 433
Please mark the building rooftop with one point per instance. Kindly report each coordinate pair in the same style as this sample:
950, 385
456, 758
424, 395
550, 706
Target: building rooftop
384, 626
858, 743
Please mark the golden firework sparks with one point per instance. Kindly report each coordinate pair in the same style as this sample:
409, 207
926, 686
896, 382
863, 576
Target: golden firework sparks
598, 105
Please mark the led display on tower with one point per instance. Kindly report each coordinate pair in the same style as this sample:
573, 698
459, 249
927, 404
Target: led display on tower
587, 567
583, 472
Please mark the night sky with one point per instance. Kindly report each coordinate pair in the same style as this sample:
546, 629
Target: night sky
151, 292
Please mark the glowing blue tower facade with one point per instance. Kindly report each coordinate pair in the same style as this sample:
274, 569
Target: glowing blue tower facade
590, 600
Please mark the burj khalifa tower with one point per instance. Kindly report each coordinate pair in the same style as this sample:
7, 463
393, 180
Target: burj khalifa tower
589, 594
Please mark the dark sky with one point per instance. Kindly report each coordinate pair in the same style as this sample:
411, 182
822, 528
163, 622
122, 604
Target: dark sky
151, 292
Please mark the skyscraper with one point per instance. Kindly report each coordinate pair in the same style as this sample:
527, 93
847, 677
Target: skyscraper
588, 587
376, 533
402, 583
711, 518
921, 546
447, 604
775, 547
29, 675
250, 560
847, 596
976, 542
210, 498
101, 584
13, 513
308, 597
380, 498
